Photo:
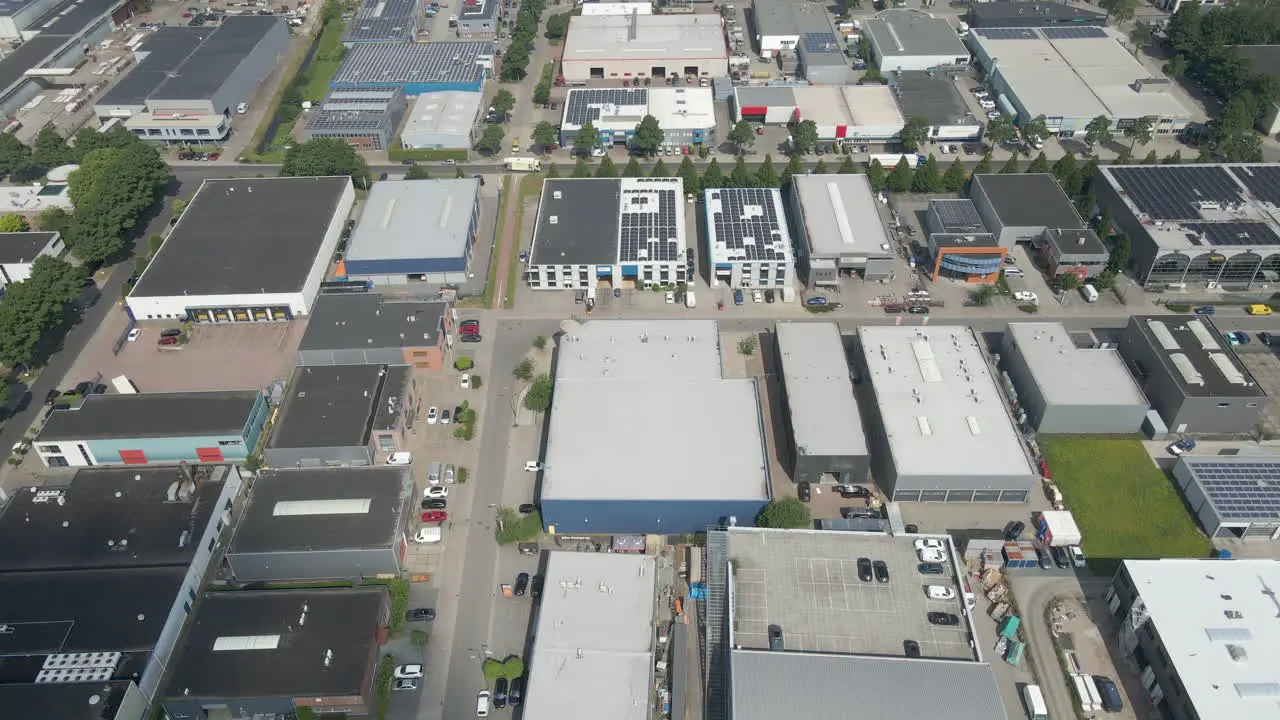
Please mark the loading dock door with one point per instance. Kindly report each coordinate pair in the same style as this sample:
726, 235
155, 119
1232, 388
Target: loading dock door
133, 457
212, 454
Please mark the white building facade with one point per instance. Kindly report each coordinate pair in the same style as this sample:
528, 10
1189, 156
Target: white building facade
749, 245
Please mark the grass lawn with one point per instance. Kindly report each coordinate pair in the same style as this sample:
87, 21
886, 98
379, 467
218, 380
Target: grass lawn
329, 54
1126, 507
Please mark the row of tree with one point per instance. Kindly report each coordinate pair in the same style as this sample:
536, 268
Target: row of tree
515, 62
37, 311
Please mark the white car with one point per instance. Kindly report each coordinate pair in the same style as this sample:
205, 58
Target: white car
1026, 296
445, 418
671, 298
134, 333
930, 544
1077, 555
939, 592
932, 555
597, 152
433, 415
408, 672
756, 296
994, 115
400, 458
986, 105
428, 535
534, 466
942, 149
435, 492
242, 108
465, 382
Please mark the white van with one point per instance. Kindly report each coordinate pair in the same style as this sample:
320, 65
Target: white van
433, 475
1089, 292
689, 300
1034, 700
482, 704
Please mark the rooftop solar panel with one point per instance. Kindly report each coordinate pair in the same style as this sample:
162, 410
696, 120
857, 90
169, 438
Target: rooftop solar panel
647, 223
820, 42
1263, 181
748, 224
1177, 193
585, 106
1074, 33
1232, 233
1241, 491
1007, 33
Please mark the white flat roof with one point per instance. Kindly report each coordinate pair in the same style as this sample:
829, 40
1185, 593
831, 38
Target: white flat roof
666, 38
1069, 375
939, 404
616, 8
640, 350
593, 651
1217, 620
682, 107
414, 219
824, 413
840, 215
864, 105
452, 112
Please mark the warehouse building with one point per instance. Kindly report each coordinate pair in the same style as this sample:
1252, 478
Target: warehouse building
246, 250
1078, 252
1191, 375
159, 55
1202, 634
593, 652
820, 57
478, 20
943, 434
325, 524
1032, 14
1020, 208
609, 47
342, 415
748, 243
371, 329
712, 464
139, 429
838, 229
959, 245
1232, 496
112, 700
449, 120
827, 442
1067, 389
1072, 75
52, 49
617, 8
866, 113
19, 250
1200, 226
776, 28
270, 652
19, 15
841, 638
687, 116
936, 99
903, 40
416, 68
364, 119
415, 231
608, 230
382, 21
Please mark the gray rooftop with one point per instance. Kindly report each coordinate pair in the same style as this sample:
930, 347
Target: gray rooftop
1070, 375
1196, 356
991, 14
58, 29
1076, 243
415, 219
328, 406
593, 648
841, 216
910, 32
369, 321
153, 415
1264, 58
207, 69
65, 701
9, 8
642, 38
165, 52
941, 409
957, 215
576, 238
1029, 200
934, 98
363, 110
774, 17
23, 247
820, 401
382, 20
435, 62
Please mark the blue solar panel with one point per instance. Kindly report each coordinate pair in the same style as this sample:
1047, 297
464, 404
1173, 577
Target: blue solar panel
1007, 33
1241, 491
1074, 33
820, 42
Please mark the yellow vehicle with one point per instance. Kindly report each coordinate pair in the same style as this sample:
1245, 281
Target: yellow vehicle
515, 146
1258, 309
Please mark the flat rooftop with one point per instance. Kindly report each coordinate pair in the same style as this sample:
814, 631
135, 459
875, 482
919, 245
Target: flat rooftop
250, 644
383, 20
415, 220
211, 65
670, 39
657, 350
941, 408
162, 54
23, 247
991, 14
61, 27
65, 701
246, 236
682, 108
820, 401
365, 109
1196, 356
111, 518
1227, 664
864, 105
1069, 375
934, 98
775, 17
328, 406
324, 509
153, 415
1029, 200
608, 221
435, 62
1242, 489
909, 33
593, 647
1264, 58
452, 112
362, 321
1076, 243
747, 225
840, 215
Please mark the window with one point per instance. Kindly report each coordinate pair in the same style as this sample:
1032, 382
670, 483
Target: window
187, 132
1225, 404
204, 132
153, 131
212, 541
54, 449
1251, 404
227, 443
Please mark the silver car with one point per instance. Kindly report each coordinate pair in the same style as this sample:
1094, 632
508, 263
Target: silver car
450, 473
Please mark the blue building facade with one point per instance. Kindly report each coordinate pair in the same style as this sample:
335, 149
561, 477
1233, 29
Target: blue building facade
644, 517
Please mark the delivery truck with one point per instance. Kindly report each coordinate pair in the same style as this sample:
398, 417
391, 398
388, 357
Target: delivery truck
889, 161
523, 164
124, 385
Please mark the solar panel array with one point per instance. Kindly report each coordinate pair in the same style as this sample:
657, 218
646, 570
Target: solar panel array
1241, 491
748, 224
1175, 193
820, 42
1007, 33
645, 227
583, 106
436, 62
1074, 33
1262, 180
1233, 233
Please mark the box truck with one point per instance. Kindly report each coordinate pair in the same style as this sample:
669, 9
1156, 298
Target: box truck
523, 164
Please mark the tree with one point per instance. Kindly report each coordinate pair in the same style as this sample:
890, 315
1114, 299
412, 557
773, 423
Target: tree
689, 173
1039, 164
1068, 175
607, 169
54, 219
14, 156
928, 178
93, 167
1121, 252
490, 142
502, 103
742, 136
767, 176
1151, 159
633, 169
553, 171
325, 156
1174, 158
713, 176
877, 176
914, 134
741, 176
1098, 131
1036, 131
786, 513
37, 311
821, 168
953, 179
538, 397
587, 139
1011, 166
648, 137
1124, 157
13, 224
794, 167
848, 167
524, 370
984, 165
1000, 131
1140, 131
113, 199
900, 178
417, 172
49, 149
582, 169
557, 26
544, 135
1121, 10
540, 343
804, 136
659, 170
1141, 35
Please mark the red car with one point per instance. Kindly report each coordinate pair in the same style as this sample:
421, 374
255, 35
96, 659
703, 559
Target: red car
469, 327
169, 340
435, 516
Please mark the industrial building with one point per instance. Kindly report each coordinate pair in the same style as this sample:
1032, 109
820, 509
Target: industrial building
18, 15
270, 652
610, 230
1232, 496
840, 637
478, 19
99, 574
687, 116
1067, 389
610, 47
112, 700
935, 98
617, 8
711, 464
449, 120
838, 229
748, 243
943, 434
364, 119
1078, 252
1201, 633
866, 113
416, 68
415, 231
1072, 75
1191, 375
55, 47
19, 250
593, 648
371, 329
1198, 226
776, 27
1032, 14
903, 40
139, 429
382, 21
1020, 208
820, 58
324, 524
959, 244
246, 250
825, 426
341, 415
189, 82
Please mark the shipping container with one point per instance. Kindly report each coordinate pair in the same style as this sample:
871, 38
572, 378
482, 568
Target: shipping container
695, 564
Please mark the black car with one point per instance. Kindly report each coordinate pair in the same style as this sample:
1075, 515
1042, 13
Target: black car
420, 615
457, 413
918, 309
535, 586
1060, 557
930, 568
517, 691
802, 491
852, 491
943, 618
51, 395
23, 402
434, 504
1013, 531
857, 513
500, 693
527, 508
470, 338
775, 637
61, 406
881, 569
911, 648
171, 332
768, 296
1266, 338
383, 176
912, 529
522, 583
864, 569
1111, 701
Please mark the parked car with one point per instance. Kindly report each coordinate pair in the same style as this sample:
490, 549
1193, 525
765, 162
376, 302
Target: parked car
775, 638
943, 618
1077, 556
134, 333
445, 417
858, 513
420, 615
171, 332
1205, 310
802, 491
1185, 445
768, 296
469, 327
1013, 531
516, 695
435, 516
918, 309
433, 415
930, 568
167, 341
1060, 557
816, 301
940, 592
400, 458
450, 473
757, 296
527, 508
932, 555
436, 503
470, 338
412, 672
911, 648
881, 569
436, 491
1266, 338
864, 569
930, 543
1111, 700
500, 693
737, 297
852, 491
522, 584
533, 466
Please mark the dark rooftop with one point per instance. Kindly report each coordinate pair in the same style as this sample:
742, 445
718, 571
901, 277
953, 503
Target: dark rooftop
933, 98
957, 215
473, 10
23, 247
167, 49
585, 227
211, 65
1209, 377
324, 509
1029, 200
1031, 14
64, 701
329, 406
363, 321
967, 240
57, 29
247, 235
382, 20
1076, 242
153, 415
387, 411
1264, 58
341, 625
111, 518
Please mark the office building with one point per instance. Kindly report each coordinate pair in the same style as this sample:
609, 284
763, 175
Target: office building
686, 116
372, 329
959, 245
1232, 496
748, 243
447, 120
364, 119
843, 114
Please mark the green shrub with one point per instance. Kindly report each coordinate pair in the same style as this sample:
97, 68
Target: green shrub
1178, 308
514, 528
382, 684
463, 475
475, 382
399, 590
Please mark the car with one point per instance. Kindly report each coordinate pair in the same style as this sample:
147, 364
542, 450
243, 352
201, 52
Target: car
1077, 556
942, 149
816, 301
864, 569
420, 615
471, 338
757, 296
522, 584
930, 568
534, 466
134, 333
1185, 445
472, 329
1013, 530
1258, 309
171, 332
852, 491
436, 503
1242, 337
436, 491
775, 638
445, 417
469, 324
482, 703
943, 618
930, 543
411, 672
881, 569
450, 474
940, 592
435, 516
671, 298
1046, 560
1205, 310
986, 105
535, 586
911, 648
433, 415
1060, 557
526, 508
464, 382
516, 695
167, 341
994, 115
405, 684
500, 692
1266, 338
918, 309
802, 491
515, 146
1111, 700
932, 555
737, 297
861, 513
617, 292
1026, 297
768, 296
400, 458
